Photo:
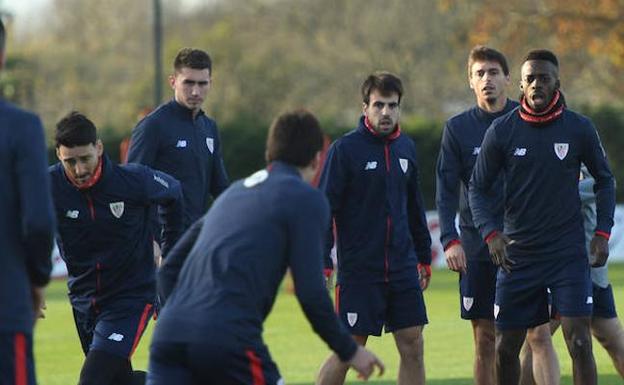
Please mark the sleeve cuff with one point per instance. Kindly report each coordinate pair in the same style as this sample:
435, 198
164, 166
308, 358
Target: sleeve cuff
452, 243
603, 234
427, 268
327, 272
491, 235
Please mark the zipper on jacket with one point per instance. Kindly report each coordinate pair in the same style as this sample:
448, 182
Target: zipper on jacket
388, 218
91, 207
98, 268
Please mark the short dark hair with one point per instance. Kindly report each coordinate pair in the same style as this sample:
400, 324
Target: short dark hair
192, 58
75, 129
384, 82
2, 36
483, 53
294, 137
544, 55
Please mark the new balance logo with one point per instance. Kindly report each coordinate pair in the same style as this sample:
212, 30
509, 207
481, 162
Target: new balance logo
520, 151
116, 337
476, 151
161, 181
371, 165
181, 143
73, 214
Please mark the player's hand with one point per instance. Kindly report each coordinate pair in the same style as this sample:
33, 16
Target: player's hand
424, 275
364, 363
598, 251
456, 258
39, 305
498, 251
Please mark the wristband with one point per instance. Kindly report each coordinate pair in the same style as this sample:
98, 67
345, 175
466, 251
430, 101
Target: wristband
452, 243
491, 235
603, 234
327, 272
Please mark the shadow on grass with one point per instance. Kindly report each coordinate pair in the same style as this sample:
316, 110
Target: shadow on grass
605, 379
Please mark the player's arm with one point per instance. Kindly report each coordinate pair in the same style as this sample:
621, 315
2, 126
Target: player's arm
144, 143
166, 192
418, 227
595, 158
332, 183
448, 176
37, 215
170, 269
220, 179
489, 165
306, 229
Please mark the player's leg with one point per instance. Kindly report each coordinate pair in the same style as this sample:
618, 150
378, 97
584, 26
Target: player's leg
544, 364
606, 326
361, 308
16, 359
571, 287
115, 339
521, 303
405, 317
477, 288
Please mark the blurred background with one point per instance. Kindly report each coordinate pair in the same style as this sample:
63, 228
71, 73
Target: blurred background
100, 57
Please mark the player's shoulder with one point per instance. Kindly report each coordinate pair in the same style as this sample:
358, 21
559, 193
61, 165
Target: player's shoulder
460, 119
576, 119
12, 115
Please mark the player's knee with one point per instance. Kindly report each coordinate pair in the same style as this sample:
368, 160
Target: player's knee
411, 346
485, 342
579, 346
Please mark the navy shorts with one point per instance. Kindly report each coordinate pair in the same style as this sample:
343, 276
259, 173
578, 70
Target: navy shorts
118, 335
477, 289
211, 362
522, 295
17, 366
604, 303
365, 308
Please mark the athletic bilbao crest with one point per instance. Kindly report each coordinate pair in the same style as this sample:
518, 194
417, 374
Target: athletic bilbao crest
403, 163
468, 301
210, 144
561, 149
117, 208
352, 318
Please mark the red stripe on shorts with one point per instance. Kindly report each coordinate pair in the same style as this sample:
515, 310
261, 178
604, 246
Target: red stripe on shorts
255, 365
21, 374
141, 328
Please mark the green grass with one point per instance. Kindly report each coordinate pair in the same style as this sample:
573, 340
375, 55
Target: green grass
299, 353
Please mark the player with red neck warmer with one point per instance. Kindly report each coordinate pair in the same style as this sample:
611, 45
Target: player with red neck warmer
538, 152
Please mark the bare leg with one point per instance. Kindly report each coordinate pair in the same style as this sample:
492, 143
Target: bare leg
484, 362
576, 331
409, 342
508, 345
609, 332
334, 371
545, 365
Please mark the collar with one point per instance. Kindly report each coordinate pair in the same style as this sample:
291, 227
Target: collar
95, 178
368, 127
281, 167
186, 112
553, 111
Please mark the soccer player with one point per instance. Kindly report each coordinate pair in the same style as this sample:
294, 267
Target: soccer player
105, 238
467, 253
605, 325
371, 179
221, 279
539, 149
179, 139
26, 231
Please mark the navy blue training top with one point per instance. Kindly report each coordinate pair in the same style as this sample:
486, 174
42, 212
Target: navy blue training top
461, 143
372, 184
224, 273
26, 219
105, 234
170, 140
541, 166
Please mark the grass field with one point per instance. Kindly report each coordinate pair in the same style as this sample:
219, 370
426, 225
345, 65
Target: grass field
299, 353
